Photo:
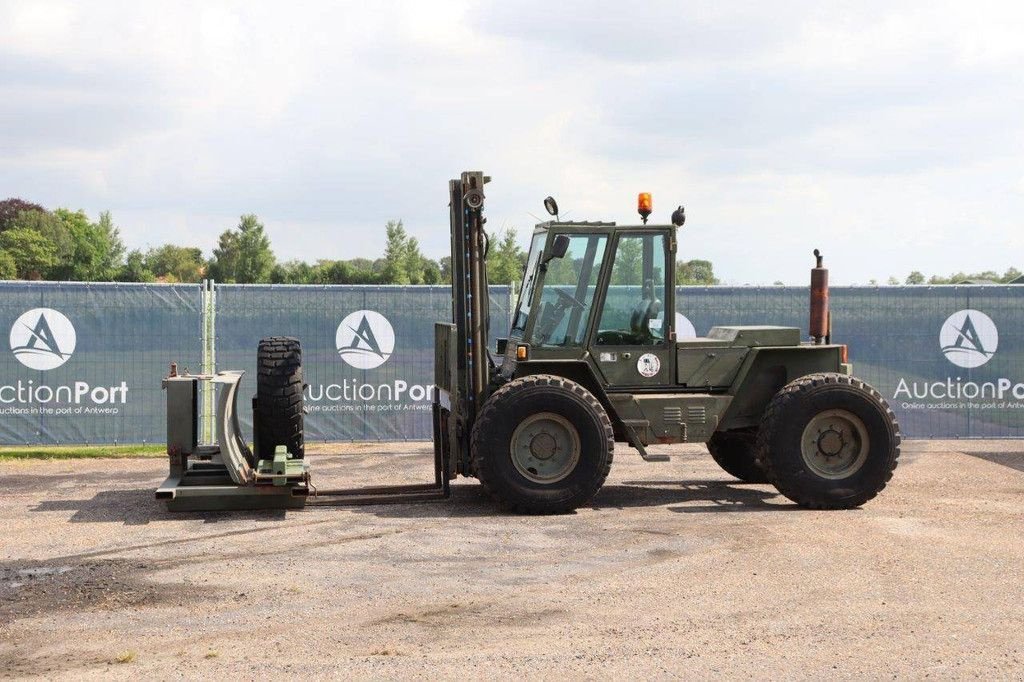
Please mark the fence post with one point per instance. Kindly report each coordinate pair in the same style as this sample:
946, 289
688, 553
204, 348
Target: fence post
209, 365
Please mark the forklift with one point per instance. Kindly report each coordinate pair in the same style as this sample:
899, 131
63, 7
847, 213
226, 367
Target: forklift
591, 359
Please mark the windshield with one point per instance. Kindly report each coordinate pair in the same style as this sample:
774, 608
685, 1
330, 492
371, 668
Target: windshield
529, 279
568, 292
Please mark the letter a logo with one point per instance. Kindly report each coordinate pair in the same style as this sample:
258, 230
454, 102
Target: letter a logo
43, 338
969, 338
365, 339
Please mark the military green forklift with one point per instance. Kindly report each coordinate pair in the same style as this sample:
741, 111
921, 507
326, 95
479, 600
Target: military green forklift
592, 359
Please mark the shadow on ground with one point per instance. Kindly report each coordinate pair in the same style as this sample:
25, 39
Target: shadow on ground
1014, 460
139, 507
686, 497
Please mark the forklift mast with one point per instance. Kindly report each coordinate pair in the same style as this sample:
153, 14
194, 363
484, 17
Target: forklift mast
470, 302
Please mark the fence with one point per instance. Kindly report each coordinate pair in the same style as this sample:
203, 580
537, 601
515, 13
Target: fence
949, 359
86, 359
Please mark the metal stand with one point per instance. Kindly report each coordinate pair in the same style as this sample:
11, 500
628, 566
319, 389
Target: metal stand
222, 476
225, 476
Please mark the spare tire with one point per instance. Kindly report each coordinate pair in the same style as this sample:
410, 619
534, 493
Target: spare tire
278, 413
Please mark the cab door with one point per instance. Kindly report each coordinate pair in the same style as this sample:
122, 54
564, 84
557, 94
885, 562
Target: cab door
633, 342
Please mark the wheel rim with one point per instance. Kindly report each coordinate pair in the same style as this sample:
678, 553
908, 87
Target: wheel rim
545, 447
835, 444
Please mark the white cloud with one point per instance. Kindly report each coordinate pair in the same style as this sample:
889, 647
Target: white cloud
886, 134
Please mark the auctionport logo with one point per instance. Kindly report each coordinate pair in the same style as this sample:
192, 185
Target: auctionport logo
365, 339
43, 339
969, 338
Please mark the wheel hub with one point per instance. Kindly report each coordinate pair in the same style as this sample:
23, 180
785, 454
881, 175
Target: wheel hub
543, 445
545, 448
834, 444
831, 442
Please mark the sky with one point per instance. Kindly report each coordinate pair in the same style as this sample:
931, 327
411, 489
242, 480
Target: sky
889, 135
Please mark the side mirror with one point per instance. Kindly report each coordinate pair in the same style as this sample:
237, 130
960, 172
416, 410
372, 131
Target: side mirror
558, 248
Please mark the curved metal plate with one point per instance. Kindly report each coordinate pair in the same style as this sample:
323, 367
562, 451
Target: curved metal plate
233, 449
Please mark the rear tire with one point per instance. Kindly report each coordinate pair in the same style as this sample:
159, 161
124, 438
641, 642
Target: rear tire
278, 415
542, 444
828, 441
734, 452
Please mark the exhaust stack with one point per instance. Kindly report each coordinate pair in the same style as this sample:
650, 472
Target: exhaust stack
820, 317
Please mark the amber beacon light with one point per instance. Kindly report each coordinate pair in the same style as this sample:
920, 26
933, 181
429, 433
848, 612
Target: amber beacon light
644, 204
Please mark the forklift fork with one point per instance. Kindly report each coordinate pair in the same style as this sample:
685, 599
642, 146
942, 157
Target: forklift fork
440, 489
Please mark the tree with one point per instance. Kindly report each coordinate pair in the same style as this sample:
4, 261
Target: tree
54, 230
916, 277
629, 262
97, 250
893, 280
33, 254
114, 254
358, 274
413, 261
292, 272
334, 272
695, 272
505, 260
11, 208
395, 254
224, 264
366, 265
431, 272
176, 263
446, 269
243, 255
134, 269
8, 268
1010, 275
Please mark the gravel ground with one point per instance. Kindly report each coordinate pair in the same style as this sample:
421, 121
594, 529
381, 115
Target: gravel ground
676, 570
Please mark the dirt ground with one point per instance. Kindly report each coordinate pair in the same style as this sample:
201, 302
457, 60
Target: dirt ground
676, 570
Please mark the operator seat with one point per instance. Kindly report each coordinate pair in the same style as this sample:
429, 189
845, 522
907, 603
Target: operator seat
647, 309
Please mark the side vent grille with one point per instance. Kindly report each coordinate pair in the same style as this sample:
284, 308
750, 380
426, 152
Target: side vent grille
696, 415
672, 415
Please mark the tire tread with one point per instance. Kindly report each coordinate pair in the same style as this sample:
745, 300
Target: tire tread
494, 409
771, 420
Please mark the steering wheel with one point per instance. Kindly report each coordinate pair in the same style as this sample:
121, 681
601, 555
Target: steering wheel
562, 304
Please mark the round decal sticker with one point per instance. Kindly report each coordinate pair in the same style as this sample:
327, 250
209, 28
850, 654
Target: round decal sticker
648, 365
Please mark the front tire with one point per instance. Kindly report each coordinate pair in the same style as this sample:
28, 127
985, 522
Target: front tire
828, 441
542, 444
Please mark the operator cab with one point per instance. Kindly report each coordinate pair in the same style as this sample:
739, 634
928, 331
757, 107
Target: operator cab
598, 292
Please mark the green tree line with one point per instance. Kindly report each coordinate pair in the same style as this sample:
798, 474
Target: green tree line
60, 244
916, 277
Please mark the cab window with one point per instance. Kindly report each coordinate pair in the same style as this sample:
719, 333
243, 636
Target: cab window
633, 313
567, 292
529, 278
